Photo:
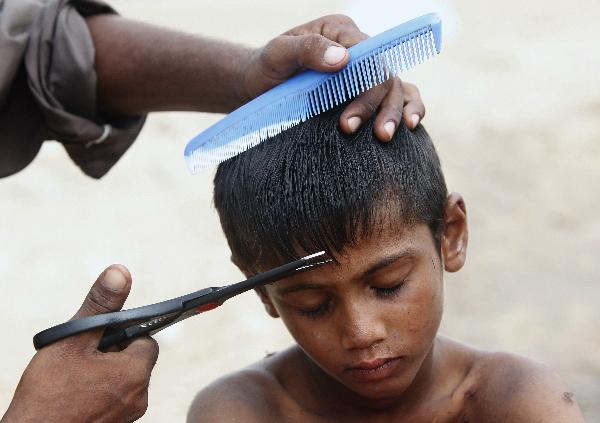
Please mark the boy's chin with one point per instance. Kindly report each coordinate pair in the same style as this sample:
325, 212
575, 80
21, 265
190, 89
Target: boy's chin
382, 386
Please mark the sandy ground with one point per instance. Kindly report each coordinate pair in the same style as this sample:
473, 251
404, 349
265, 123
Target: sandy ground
513, 105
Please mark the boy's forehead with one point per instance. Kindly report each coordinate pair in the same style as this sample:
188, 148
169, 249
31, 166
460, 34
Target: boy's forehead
389, 241
372, 254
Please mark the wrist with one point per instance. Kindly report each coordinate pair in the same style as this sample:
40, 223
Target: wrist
243, 91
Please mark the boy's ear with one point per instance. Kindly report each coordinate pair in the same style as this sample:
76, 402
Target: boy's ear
266, 300
456, 234
261, 291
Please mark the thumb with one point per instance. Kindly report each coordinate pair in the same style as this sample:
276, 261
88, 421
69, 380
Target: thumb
108, 293
287, 54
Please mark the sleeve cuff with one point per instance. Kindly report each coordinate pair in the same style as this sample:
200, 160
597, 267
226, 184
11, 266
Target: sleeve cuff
60, 68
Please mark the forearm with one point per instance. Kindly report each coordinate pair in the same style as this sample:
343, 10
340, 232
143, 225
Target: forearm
143, 68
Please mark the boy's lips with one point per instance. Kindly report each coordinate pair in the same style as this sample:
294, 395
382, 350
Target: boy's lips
373, 370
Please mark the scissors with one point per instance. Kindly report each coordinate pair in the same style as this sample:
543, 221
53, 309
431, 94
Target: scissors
123, 325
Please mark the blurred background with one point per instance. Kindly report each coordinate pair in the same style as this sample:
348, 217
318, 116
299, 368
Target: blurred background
513, 104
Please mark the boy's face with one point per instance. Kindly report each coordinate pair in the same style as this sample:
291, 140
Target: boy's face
370, 321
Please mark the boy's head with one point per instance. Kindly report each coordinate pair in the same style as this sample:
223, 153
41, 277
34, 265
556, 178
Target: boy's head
381, 210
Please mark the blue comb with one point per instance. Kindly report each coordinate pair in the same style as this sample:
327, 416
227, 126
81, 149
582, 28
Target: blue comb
310, 93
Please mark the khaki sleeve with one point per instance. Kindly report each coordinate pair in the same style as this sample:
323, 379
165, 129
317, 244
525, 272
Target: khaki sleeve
59, 99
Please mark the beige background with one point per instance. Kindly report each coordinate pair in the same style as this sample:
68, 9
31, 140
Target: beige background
513, 105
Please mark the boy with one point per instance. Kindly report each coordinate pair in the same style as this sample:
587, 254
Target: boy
366, 325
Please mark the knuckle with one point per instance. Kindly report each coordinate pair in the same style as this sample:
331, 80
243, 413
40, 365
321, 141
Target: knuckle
312, 44
342, 28
394, 109
388, 85
266, 55
138, 372
371, 106
150, 347
395, 101
140, 408
154, 348
367, 106
411, 89
99, 301
150, 344
343, 19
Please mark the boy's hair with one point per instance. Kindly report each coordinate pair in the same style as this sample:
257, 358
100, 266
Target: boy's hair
312, 188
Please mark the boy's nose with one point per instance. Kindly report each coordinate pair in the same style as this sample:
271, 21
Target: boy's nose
361, 327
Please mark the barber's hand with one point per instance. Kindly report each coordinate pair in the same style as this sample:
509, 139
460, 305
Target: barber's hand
72, 381
320, 45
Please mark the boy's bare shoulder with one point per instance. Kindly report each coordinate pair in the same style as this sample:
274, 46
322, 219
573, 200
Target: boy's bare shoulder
511, 388
249, 395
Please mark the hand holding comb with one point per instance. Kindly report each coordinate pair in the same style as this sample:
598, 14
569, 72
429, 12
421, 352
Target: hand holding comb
372, 62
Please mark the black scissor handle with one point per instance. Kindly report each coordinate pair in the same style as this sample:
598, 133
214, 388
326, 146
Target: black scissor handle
118, 334
115, 320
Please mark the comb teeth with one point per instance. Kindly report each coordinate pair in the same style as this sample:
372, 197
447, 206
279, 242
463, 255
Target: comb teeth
312, 93
363, 74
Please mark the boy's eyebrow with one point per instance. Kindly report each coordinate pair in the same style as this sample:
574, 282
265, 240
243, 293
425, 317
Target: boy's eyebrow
300, 287
381, 264
387, 261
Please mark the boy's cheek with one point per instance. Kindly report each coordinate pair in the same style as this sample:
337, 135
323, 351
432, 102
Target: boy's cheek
316, 337
299, 326
426, 309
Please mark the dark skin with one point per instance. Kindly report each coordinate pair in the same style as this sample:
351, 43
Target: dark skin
144, 68
71, 381
368, 349
171, 70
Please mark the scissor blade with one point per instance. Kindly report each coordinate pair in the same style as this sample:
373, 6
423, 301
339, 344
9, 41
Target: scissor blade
219, 296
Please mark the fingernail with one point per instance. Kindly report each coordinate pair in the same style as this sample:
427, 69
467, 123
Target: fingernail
114, 280
415, 120
390, 128
334, 55
354, 122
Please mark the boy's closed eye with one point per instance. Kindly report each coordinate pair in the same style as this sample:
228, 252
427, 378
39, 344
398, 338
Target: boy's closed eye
307, 301
315, 300
389, 292
314, 303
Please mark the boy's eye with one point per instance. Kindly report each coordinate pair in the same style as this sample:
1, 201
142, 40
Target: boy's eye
387, 292
317, 312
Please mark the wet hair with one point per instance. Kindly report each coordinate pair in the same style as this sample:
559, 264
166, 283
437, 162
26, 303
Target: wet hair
312, 188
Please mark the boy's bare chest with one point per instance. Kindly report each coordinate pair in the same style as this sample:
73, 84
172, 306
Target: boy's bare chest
442, 417
449, 410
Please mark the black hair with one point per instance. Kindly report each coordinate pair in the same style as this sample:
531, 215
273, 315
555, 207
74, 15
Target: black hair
312, 188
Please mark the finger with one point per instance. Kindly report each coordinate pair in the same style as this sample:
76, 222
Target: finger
141, 406
108, 294
288, 54
339, 28
414, 109
342, 29
390, 112
362, 108
144, 351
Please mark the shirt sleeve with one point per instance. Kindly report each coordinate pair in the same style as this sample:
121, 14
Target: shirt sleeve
58, 101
